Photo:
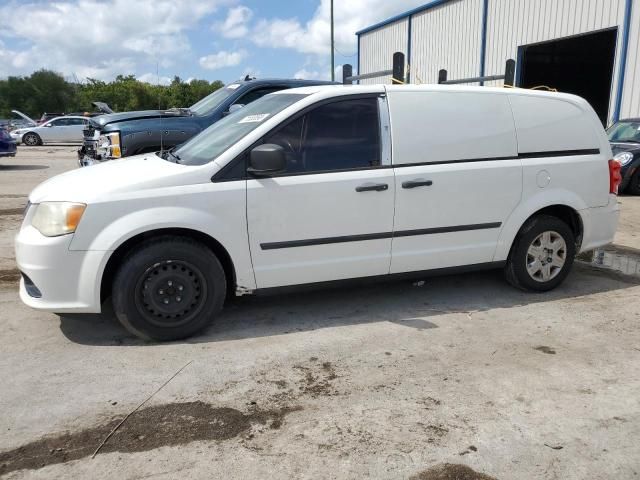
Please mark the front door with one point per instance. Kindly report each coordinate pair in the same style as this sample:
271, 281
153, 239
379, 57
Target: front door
329, 216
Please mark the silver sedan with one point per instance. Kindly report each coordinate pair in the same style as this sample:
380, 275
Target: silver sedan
57, 130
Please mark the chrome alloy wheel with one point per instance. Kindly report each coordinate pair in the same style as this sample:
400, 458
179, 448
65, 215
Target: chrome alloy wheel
546, 256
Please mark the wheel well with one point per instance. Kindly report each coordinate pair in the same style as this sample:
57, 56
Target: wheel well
568, 215
118, 255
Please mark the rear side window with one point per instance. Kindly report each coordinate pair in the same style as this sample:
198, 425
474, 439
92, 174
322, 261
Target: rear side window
430, 127
340, 135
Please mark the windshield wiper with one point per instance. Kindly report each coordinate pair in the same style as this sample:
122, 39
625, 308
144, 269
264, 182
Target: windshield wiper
626, 140
169, 153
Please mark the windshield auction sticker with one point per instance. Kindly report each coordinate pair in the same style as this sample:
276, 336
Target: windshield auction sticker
254, 118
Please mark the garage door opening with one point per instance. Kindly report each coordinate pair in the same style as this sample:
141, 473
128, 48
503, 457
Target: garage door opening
582, 65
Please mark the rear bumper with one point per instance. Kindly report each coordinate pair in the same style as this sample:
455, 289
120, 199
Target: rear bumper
600, 224
67, 280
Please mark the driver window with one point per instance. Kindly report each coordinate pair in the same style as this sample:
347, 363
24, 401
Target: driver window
336, 136
59, 123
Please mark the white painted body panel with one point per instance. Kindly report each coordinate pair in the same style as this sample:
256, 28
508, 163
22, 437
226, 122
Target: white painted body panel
318, 206
144, 193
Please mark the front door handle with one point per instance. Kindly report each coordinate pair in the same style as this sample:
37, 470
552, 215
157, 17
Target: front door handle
368, 187
417, 183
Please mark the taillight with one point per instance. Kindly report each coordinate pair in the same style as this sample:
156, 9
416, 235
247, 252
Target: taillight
615, 177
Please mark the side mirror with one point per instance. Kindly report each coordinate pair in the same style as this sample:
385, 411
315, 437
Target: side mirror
233, 108
49, 125
267, 159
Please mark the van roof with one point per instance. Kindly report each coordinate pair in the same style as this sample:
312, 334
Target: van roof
379, 88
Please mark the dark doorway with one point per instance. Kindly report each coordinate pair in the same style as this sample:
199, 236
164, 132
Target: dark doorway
582, 65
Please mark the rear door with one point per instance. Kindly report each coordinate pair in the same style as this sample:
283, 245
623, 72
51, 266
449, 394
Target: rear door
457, 174
330, 215
73, 129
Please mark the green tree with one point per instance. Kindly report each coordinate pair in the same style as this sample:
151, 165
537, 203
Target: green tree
47, 91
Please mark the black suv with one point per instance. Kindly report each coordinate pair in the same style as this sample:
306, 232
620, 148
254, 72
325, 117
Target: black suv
124, 134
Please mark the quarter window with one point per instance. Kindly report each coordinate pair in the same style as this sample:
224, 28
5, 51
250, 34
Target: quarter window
337, 136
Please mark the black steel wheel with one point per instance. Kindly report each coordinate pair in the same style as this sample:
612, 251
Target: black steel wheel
169, 288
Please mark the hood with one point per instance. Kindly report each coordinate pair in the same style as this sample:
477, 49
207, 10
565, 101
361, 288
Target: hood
25, 117
109, 179
617, 147
102, 120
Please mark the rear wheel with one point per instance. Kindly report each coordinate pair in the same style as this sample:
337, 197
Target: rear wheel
634, 183
31, 139
169, 288
542, 254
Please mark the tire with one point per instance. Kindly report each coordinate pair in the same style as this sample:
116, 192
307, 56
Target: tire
168, 288
31, 139
526, 270
634, 184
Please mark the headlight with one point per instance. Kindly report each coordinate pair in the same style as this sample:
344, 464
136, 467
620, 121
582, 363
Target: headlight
623, 157
57, 218
109, 145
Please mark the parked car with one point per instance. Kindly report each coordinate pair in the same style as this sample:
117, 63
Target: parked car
625, 143
131, 133
8, 145
58, 130
323, 184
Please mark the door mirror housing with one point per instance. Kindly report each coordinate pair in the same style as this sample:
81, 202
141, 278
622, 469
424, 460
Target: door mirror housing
233, 108
266, 160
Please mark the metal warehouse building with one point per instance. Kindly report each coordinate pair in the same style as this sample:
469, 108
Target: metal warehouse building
586, 47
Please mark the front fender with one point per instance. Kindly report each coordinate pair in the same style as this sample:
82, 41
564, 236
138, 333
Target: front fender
534, 203
103, 229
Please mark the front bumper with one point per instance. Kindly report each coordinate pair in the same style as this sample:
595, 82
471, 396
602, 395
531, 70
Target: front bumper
67, 280
16, 136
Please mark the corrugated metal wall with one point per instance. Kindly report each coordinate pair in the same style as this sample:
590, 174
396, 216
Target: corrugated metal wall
377, 49
456, 26
631, 92
449, 36
511, 24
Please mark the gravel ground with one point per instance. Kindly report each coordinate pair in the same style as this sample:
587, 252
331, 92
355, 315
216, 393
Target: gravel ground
460, 375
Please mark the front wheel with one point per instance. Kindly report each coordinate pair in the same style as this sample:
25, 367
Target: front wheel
634, 184
542, 254
168, 289
31, 139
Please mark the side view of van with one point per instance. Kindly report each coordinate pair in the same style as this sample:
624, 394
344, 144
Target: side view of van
321, 184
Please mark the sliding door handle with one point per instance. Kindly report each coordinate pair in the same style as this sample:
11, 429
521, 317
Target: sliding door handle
368, 187
417, 183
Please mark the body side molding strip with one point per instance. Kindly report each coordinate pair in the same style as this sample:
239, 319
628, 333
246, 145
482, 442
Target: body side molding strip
377, 236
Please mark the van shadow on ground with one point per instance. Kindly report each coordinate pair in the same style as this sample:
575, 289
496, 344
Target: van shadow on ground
399, 302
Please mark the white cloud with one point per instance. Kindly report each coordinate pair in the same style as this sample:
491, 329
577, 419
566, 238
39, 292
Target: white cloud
153, 79
236, 23
222, 59
98, 38
305, 74
313, 37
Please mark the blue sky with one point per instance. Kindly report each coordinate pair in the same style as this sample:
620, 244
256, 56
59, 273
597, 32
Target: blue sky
211, 39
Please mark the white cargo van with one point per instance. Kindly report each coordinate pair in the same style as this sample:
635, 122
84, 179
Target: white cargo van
322, 184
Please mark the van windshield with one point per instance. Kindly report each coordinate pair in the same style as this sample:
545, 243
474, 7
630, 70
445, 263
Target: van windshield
209, 144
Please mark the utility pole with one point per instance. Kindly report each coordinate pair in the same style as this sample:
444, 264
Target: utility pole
333, 68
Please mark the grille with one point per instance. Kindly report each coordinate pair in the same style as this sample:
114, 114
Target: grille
88, 132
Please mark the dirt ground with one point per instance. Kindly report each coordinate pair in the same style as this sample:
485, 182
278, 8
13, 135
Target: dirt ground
462, 377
